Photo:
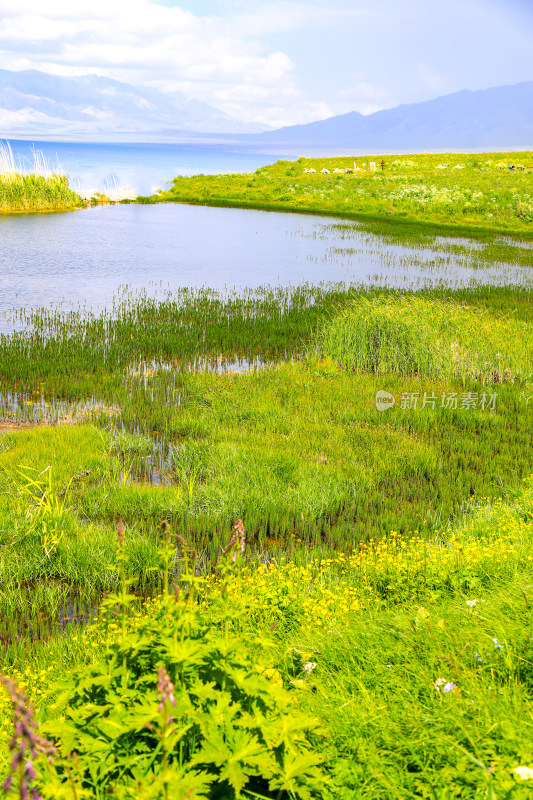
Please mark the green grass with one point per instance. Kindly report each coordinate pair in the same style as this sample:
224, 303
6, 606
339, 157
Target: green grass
482, 195
367, 531
417, 335
33, 193
351, 645
297, 449
39, 190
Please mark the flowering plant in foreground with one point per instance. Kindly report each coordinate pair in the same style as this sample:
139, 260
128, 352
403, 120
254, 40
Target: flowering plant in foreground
524, 773
26, 744
444, 686
186, 702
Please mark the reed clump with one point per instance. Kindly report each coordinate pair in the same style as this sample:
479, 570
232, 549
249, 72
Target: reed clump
432, 337
39, 190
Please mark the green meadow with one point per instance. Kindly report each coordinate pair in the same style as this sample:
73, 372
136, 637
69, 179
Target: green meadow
447, 190
228, 571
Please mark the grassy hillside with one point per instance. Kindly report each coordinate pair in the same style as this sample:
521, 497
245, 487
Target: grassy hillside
447, 189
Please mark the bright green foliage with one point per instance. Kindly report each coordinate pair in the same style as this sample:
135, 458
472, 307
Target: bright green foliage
19, 192
431, 337
374, 672
45, 510
298, 450
226, 732
469, 191
363, 622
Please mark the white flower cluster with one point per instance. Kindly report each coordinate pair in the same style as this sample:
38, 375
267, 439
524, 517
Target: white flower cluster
436, 195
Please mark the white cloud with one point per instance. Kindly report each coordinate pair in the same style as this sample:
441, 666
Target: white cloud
213, 59
364, 96
283, 16
251, 58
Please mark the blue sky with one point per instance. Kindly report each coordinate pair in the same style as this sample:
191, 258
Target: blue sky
278, 61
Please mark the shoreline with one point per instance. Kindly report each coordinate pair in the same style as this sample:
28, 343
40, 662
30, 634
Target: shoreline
355, 216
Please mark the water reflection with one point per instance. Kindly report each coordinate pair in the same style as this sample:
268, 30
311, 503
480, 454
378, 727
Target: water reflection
79, 260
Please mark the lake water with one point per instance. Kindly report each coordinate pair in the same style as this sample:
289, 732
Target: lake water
140, 168
81, 259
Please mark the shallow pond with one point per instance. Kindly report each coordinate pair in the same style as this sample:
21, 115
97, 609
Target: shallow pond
82, 258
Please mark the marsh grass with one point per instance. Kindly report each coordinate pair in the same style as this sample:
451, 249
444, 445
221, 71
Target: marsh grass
38, 190
297, 449
432, 337
388, 554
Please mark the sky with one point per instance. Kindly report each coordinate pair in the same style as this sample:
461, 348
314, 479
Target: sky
278, 62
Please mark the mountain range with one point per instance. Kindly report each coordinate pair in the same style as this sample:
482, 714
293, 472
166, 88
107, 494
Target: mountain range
34, 103
489, 118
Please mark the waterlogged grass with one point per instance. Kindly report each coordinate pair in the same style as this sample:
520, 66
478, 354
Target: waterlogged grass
383, 598
469, 191
73, 354
297, 449
68, 356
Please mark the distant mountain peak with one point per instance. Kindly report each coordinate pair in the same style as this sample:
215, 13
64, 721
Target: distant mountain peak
500, 117
34, 102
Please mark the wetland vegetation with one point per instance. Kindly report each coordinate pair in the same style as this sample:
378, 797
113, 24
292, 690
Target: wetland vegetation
227, 573
490, 191
39, 190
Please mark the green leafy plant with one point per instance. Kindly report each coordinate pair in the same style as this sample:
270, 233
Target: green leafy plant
44, 506
182, 706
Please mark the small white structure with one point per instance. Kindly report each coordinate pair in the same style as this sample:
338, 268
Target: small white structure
324, 171
372, 165
311, 171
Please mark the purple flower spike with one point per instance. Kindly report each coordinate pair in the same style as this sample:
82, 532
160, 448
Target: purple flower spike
239, 531
26, 744
165, 689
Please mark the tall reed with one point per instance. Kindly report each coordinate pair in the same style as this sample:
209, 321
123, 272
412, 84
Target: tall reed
38, 190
